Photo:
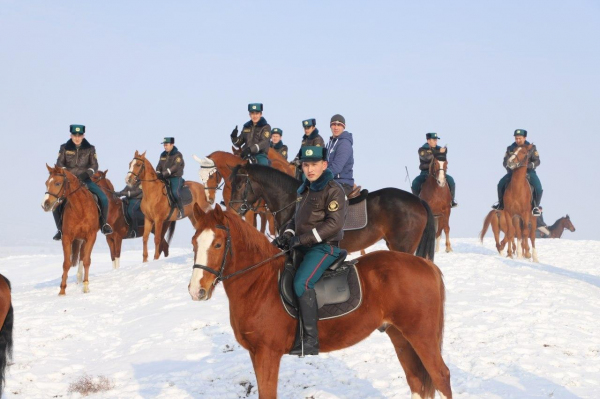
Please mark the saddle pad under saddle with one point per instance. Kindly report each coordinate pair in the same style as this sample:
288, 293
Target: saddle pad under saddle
184, 193
356, 218
338, 292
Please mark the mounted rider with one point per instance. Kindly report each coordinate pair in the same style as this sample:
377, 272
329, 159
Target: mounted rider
534, 161
79, 157
277, 144
314, 232
427, 153
311, 138
255, 137
170, 169
133, 199
341, 154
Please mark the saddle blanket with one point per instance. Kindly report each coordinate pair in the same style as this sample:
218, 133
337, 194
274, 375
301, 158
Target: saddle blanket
356, 218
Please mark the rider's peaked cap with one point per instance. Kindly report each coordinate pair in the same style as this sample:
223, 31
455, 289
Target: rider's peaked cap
432, 136
521, 132
77, 129
310, 153
168, 140
277, 131
309, 122
255, 107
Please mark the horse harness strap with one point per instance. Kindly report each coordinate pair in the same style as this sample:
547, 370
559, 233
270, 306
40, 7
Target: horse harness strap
245, 207
219, 274
143, 167
60, 198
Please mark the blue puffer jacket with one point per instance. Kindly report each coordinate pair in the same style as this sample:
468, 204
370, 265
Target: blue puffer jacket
341, 158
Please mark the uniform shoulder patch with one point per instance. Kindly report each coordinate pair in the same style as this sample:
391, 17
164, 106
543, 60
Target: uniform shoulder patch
267, 133
178, 160
422, 153
333, 206
536, 154
95, 155
283, 152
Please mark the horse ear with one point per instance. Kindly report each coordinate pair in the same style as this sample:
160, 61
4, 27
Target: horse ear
105, 172
198, 212
49, 168
143, 155
219, 213
568, 217
136, 154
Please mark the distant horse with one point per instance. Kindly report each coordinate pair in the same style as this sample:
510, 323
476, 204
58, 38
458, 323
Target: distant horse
436, 192
155, 205
80, 222
556, 230
402, 293
6, 331
517, 205
403, 220
116, 218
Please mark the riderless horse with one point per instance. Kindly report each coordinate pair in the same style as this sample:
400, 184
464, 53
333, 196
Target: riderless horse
116, 218
436, 192
80, 222
403, 220
403, 296
6, 328
557, 229
155, 205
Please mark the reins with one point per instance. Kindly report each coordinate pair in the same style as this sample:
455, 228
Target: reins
60, 198
137, 175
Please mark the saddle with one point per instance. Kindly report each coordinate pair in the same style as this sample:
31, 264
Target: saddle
356, 218
184, 194
338, 291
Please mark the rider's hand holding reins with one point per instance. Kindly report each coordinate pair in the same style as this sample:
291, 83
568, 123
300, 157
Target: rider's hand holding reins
245, 152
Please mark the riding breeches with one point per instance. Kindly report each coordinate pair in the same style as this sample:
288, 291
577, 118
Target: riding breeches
316, 260
534, 181
175, 183
262, 159
420, 179
94, 189
134, 213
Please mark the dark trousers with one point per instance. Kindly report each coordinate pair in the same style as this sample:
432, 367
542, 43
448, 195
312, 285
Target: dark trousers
534, 181
316, 260
134, 214
420, 179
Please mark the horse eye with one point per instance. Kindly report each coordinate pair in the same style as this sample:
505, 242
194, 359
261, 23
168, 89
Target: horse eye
57, 184
218, 246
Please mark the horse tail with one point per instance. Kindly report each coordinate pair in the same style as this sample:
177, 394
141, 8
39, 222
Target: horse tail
6, 342
426, 248
486, 225
75, 252
170, 232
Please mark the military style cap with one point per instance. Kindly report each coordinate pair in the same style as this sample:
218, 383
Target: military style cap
255, 107
521, 132
338, 118
77, 129
310, 153
277, 131
432, 136
309, 122
168, 140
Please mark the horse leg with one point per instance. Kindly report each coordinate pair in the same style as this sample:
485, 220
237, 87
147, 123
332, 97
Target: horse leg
447, 233
437, 243
147, 230
67, 251
158, 236
263, 222
118, 244
526, 230
417, 378
87, 260
271, 221
533, 250
266, 367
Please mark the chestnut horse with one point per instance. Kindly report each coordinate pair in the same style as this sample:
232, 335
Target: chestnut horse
80, 222
403, 220
497, 219
6, 328
556, 230
155, 204
403, 294
517, 205
436, 192
116, 218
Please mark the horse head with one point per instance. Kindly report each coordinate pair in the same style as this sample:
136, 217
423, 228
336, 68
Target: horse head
437, 169
567, 224
212, 247
136, 168
57, 187
243, 191
210, 178
519, 157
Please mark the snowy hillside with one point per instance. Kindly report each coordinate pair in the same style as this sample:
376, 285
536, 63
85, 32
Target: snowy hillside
513, 330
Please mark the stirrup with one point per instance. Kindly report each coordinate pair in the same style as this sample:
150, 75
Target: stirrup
106, 229
497, 206
57, 236
454, 204
536, 211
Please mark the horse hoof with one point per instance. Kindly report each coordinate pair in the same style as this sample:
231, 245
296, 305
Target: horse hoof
86, 287
62, 293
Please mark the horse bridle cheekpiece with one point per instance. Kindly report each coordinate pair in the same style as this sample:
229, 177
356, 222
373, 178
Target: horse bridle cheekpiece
60, 198
245, 207
137, 175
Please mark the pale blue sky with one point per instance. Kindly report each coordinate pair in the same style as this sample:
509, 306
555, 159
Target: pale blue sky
471, 71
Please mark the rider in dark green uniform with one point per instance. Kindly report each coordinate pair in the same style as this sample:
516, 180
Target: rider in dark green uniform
133, 199
311, 138
315, 232
255, 137
534, 161
170, 168
277, 143
79, 157
427, 152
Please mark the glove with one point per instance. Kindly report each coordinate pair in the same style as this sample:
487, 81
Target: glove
245, 152
294, 242
83, 176
159, 175
119, 194
234, 132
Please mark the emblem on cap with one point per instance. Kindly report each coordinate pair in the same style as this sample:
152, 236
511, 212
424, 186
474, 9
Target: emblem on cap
309, 152
306, 122
254, 107
333, 206
77, 129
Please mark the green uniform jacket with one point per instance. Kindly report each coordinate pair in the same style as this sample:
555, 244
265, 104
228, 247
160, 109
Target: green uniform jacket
171, 164
78, 160
320, 211
426, 154
256, 137
280, 148
313, 140
534, 156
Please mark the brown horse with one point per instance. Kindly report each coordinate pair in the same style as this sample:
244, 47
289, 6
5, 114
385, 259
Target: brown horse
402, 293
436, 192
557, 229
497, 219
80, 222
278, 161
6, 328
517, 205
116, 218
155, 204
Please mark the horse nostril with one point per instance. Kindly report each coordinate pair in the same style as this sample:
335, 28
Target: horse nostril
201, 293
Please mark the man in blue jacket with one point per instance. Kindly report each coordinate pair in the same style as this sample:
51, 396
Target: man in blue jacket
340, 153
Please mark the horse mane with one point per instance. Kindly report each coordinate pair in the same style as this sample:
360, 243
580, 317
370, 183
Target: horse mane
556, 224
253, 240
265, 174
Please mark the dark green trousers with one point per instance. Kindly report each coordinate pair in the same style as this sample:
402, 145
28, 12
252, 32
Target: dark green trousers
420, 179
134, 213
316, 260
262, 159
534, 181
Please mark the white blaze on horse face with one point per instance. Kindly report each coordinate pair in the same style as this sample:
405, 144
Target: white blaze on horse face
128, 175
203, 243
441, 175
47, 196
513, 156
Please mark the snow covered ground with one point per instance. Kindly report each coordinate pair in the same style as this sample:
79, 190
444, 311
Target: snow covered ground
514, 329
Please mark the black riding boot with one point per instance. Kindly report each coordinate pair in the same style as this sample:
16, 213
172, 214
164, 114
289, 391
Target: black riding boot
105, 229
57, 214
180, 208
310, 333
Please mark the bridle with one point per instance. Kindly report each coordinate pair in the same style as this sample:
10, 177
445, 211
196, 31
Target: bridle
518, 164
137, 175
228, 250
432, 173
245, 207
60, 198
218, 176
